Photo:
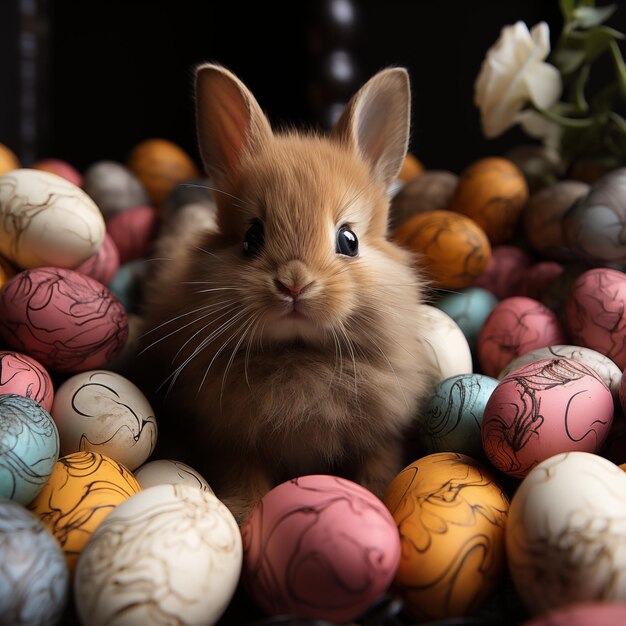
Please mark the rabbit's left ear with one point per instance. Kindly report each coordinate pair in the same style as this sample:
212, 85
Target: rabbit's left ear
377, 122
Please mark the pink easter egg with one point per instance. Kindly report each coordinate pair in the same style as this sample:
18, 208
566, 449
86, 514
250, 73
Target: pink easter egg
597, 613
545, 408
23, 376
537, 278
622, 391
133, 231
60, 168
321, 547
67, 321
515, 326
102, 265
595, 310
504, 271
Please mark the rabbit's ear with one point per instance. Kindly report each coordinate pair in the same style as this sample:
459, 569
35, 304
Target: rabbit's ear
377, 122
229, 122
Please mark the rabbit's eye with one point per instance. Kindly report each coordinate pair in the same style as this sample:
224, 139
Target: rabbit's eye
347, 243
254, 239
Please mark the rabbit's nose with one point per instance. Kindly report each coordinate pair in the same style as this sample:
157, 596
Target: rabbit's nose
293, 291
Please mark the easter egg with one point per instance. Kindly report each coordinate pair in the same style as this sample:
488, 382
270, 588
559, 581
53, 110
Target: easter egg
538, 278
46, 220
66, 320
515, 326
319, 546
60, 168
545, 408
113, 187
160, 164
127, 284
541, 164
8, 160
177, 550
505, 271
451, 515
452, 419
29, 448
133, 231
493, 192
34, 579
104, 264
453, 250
411, 167
192, 191
82, 490
6, 271
595, 311
22, 375
102, 411
565, 539
170, 472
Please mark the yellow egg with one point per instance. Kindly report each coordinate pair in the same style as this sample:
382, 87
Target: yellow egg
6, 271
492, 191
83, 489
160, 165
411, 168
452, 249
451, 515
8, 160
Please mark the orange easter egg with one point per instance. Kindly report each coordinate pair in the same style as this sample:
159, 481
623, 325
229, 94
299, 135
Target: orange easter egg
411, 167
160, 165
451, 515
8, 160
83, 489
493, 192
452, 249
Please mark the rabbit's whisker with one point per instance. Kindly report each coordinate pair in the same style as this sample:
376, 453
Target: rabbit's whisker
225, 193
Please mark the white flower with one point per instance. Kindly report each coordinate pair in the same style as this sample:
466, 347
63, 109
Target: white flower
513, 74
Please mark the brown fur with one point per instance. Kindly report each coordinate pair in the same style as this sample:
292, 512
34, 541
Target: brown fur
270, 398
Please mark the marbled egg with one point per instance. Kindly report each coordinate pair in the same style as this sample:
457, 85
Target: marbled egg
113, 187
452, 419
29, 448
34, 580
545, 408
24, 376
538, 278
7, 271
8, 160
102, 411
170, 472
104, 264
60, 168
46, 220
595, 309
452, 249
133, 231
505, 270
64, 319
515, 326
451, 514
321, 547
566, 533
169, 555
591, 613
493, 192
82, 490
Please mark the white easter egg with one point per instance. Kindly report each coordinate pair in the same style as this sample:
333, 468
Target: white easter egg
444, 343
45, 220
102, 411
566, 532
169, 472
171, 554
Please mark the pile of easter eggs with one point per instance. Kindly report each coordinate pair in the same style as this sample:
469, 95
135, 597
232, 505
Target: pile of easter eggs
509, 507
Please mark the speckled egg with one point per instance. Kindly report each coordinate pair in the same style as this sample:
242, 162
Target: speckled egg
8, 160
133, 231
170, 472
493, 192
595, 310
591, 613
113, 187
321, 547
29, 448
544, 408
46, 220
566, 535
34, 579
102, 411
24, 376
104, 264
505, 270
160, 164
7, 271
60, 168
82, 490
452, 249
66, 320
538, 278
451, 514
452, 419
515, 326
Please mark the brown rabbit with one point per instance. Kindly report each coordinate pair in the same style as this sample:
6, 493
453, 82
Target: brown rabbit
290, 335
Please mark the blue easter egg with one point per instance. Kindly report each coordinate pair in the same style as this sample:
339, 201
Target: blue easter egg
127, 284
34, 578
454, 415
29, 447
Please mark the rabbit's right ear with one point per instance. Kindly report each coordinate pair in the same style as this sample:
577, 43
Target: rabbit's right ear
229, 123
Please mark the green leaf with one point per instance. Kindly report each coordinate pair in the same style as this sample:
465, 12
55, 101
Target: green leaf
605, 99
567, 122
588, 17
620, 68
578, 89
598, 40
567, 8
568, 61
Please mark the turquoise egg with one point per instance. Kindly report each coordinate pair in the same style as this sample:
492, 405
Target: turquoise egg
29, 447
34, 578
453, 417
127, 284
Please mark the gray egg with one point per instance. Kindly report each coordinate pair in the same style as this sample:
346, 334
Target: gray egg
113, 187
194, 191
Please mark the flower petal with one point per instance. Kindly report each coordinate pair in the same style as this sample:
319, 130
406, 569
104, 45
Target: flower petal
544, 84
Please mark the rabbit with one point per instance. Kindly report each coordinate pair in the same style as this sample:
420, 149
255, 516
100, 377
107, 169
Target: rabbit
286, 331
